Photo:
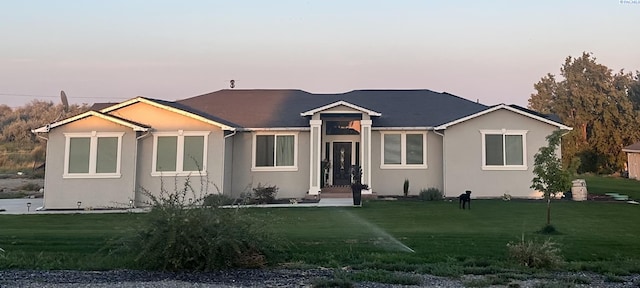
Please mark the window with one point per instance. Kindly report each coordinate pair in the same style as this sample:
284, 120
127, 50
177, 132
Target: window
504, 150
180, 154
404, 150
92, 155
343, 127
275, 152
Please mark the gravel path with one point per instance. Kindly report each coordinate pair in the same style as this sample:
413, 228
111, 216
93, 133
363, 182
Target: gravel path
265, 278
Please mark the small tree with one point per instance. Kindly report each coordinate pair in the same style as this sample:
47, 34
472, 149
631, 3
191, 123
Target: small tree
550, 178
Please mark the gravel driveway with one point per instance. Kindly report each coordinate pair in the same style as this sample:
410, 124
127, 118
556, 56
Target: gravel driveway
264, 278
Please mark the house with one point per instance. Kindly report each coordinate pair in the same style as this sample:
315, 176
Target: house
633, 160
230, 140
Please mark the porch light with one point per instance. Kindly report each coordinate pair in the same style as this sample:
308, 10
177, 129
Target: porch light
79, 203
28, 206
130, 203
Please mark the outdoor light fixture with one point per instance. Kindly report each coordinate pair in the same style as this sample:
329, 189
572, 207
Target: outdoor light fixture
130, 203
79, 203
190, 200
28, 206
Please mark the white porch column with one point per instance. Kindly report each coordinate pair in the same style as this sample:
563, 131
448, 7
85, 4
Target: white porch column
314, 156
365, 158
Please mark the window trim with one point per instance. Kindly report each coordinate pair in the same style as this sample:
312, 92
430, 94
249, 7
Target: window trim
504, 167
180, 134
403, 150
93, 154
255, 168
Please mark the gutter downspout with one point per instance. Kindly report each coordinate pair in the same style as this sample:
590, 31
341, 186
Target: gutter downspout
444, 165
135, 165
45, 161
224, 149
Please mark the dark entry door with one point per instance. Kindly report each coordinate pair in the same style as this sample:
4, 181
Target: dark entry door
341, 163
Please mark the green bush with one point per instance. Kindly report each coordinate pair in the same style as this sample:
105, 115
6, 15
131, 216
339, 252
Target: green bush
405, 187
534, 254
180, 233
265, 194
430, 194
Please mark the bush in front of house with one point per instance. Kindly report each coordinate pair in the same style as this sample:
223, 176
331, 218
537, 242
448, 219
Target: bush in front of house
430, 194
265, 194
181, 233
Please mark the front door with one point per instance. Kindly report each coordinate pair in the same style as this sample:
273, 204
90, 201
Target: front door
341, 163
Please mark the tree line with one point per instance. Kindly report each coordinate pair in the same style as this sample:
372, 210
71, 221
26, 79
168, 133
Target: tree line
19, 148
603, 108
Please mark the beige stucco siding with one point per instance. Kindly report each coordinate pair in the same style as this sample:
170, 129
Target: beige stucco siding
634, 165
463, 154
65, 193
390, 181
291, 184
161, 120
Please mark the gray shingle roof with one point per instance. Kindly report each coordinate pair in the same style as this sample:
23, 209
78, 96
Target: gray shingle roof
635, 147
282, 108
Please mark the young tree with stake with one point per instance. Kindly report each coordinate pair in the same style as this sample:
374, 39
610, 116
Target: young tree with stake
550, 178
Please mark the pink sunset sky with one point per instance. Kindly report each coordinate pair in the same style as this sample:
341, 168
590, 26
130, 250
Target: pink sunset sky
491, 51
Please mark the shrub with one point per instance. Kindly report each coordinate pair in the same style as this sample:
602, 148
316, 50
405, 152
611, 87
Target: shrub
29, 187
405, 187
534, 254
265, 194
180, 233
430, 194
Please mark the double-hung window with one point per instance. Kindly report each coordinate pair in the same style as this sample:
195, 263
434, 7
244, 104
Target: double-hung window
404, 150
92, 155
504, 149
275, 151
180, 153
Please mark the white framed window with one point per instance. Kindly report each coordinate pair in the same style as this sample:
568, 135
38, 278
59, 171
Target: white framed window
403, 150
180, 153
275, 151
504, 149
92, 154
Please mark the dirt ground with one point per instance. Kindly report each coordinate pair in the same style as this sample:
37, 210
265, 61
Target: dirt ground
20, 187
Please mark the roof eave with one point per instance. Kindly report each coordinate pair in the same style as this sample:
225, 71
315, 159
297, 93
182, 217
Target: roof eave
502, 106
341, 102
48, 127
168, 108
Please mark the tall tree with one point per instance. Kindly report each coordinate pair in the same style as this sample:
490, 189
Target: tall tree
550, 178
634, 91
19, 148
595, 102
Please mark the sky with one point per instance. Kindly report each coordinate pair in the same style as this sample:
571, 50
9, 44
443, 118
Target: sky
487, 51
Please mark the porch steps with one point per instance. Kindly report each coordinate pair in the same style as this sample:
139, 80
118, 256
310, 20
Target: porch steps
342, 191
337, 191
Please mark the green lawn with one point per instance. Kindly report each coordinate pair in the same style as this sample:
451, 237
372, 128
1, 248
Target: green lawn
605, 184
592, 232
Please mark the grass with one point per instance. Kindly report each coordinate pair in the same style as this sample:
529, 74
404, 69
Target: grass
606, 184
594, 236
446, 240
